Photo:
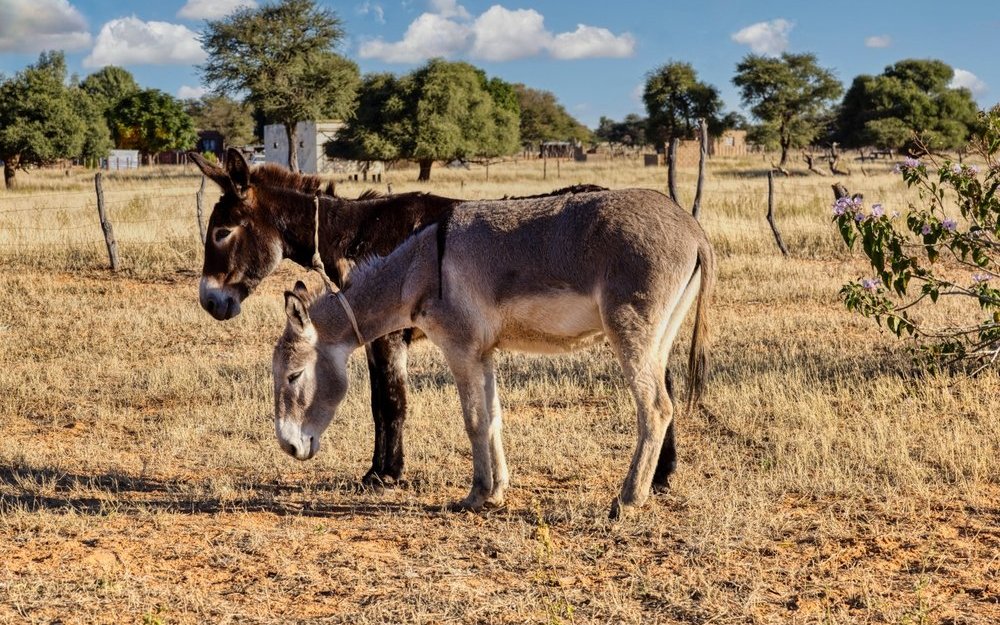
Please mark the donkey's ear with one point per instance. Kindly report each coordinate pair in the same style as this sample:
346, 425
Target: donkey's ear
301, 290
297, 312
238, 169
211, 170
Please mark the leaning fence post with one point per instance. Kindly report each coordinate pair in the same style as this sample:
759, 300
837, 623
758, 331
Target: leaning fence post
200, 198
109, 233
770, 212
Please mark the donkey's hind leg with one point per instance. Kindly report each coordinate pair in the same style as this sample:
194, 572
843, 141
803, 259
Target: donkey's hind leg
635, 337
667, 463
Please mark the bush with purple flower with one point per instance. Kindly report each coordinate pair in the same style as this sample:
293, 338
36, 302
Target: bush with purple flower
953, 231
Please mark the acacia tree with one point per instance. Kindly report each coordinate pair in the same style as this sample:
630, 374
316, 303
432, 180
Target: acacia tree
42, 120
791, 94
280, 58
910, 103
152, 121
441, 111
675, 99
543, 118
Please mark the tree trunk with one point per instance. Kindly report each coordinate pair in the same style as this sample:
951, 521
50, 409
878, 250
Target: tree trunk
293, 146
425, 169
784, 153
8, 174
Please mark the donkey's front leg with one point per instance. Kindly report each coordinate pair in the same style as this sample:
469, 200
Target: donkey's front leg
498, 460
387, 371
470, 377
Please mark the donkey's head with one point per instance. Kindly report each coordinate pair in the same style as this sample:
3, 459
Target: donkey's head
310, 377
242, 246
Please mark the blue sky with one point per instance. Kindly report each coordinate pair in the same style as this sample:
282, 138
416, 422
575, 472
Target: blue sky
592, 54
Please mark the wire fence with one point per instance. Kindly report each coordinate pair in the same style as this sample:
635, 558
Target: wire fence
87, 222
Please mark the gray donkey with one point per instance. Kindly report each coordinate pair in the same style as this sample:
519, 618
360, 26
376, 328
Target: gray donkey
543, 275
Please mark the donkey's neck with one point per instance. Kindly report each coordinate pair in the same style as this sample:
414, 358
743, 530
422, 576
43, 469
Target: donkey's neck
384, 293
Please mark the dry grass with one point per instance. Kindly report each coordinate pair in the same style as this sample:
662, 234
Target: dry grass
140, 482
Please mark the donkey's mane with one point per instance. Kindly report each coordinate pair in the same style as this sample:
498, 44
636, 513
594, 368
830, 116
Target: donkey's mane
272, 175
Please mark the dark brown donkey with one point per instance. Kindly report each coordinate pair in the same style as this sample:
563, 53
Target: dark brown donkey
263, 216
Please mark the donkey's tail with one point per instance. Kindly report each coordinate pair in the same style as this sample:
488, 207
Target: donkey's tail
698, 357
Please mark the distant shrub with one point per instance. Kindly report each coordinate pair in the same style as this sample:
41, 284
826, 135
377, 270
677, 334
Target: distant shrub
948, 245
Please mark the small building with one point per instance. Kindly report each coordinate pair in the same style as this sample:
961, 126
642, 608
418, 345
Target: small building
210, 142
312, 138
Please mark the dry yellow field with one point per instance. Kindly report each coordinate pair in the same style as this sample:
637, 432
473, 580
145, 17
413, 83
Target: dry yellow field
140, 481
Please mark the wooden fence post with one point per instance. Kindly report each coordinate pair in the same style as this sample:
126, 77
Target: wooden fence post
200, 199
109, 233
770, 213
672, 168
702, 157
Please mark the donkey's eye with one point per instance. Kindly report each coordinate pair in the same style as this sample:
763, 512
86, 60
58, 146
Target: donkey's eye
221, 234
294, 376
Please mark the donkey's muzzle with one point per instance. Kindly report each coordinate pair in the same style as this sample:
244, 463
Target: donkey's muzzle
220, 302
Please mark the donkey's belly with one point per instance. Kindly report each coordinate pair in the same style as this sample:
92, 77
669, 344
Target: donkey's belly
556, 323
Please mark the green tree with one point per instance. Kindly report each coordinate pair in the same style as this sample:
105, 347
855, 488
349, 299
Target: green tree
152, 121
544, 119
910, 102
631, 131
108, 86
790, 93
40, 120
221, 113
96, 134
280, 56
675, 99
441, 111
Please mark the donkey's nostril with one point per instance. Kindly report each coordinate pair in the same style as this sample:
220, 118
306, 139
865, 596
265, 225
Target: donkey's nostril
292, 449
210, 304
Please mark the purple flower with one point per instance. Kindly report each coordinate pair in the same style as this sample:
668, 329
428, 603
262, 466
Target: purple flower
949, 224
973, 170
869, 285
856, 201
877, 211
926, 229
911, 163
956, 169
841, 205
979, 278
859, 217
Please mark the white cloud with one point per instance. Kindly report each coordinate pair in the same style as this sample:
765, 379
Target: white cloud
968, 80
449, 8
428, 36
590, 42
212, 9
36, 25
131, 41
770, 38
498, 34
187, 92
373, 9
878, 41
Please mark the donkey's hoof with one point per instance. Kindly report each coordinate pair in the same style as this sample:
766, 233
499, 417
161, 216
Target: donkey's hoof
661, 487
472, 503
619, 510
377, 482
